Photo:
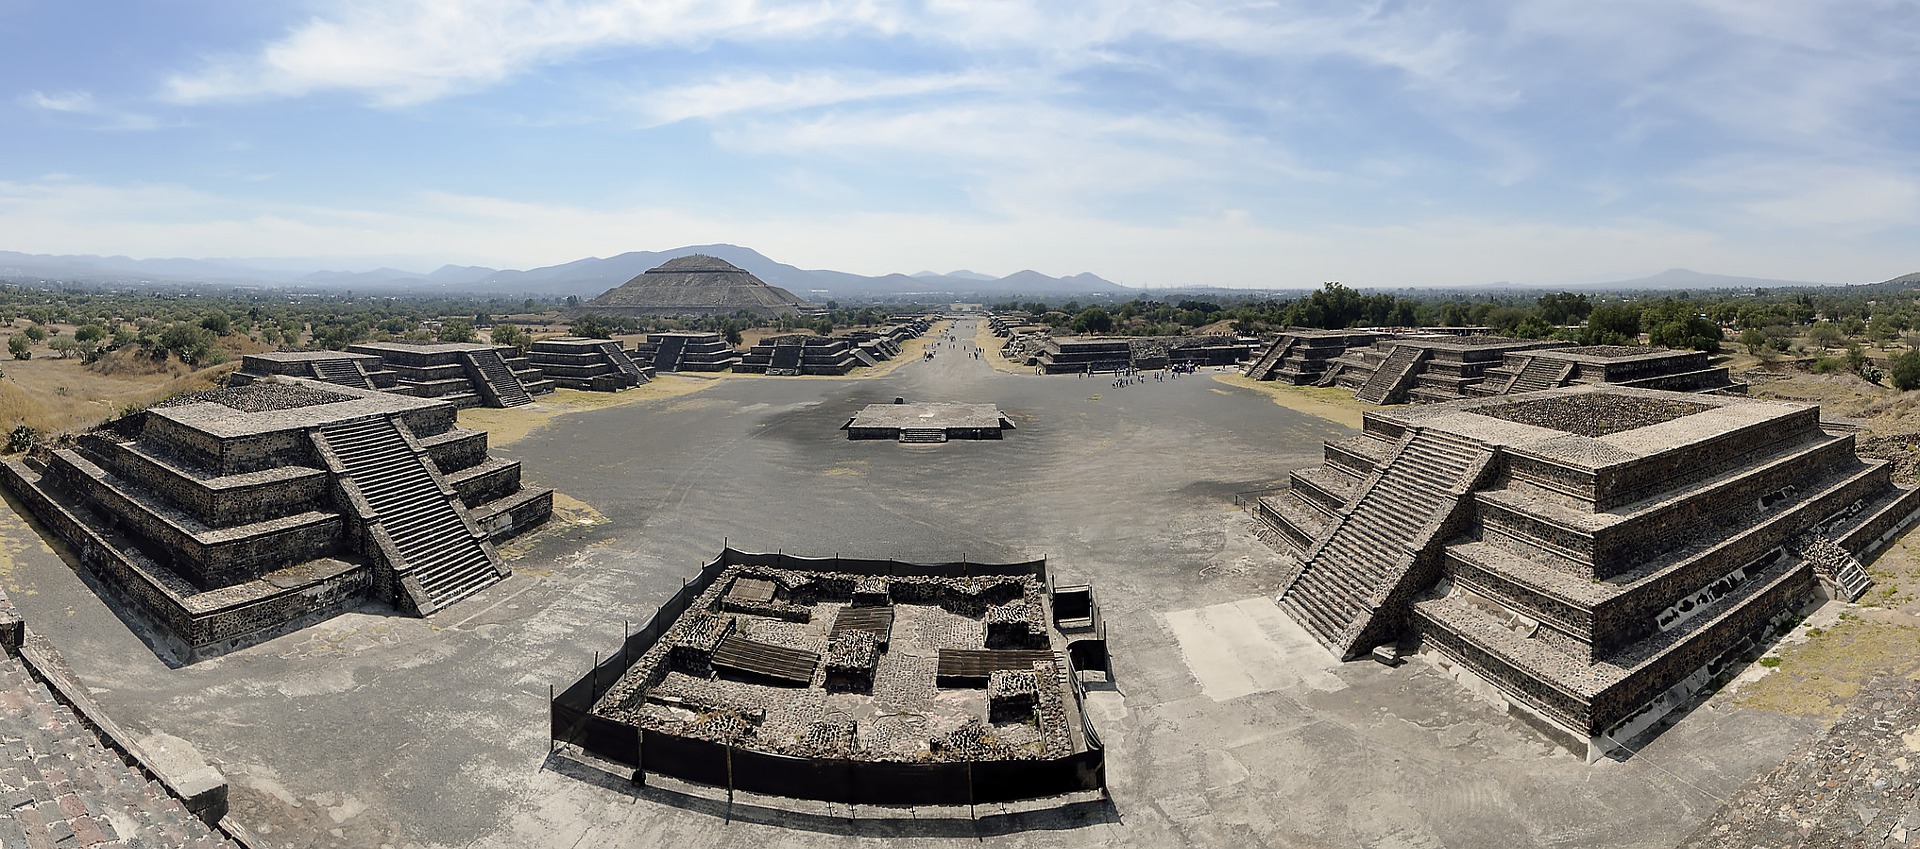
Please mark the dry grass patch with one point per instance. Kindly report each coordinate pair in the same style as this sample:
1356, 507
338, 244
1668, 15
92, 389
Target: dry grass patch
509, 424
1821, 676
1328, 402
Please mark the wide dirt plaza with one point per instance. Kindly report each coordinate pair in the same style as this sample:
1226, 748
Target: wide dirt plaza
1225, 723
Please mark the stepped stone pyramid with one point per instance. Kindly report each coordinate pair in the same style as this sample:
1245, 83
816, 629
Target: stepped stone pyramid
1302, 356
1596, 553
695, 285
230, 516
598, 365
1425, 368
799, 354
464, 374
1625, 365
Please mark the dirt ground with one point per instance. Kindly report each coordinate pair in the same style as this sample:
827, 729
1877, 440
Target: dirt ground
1225, 723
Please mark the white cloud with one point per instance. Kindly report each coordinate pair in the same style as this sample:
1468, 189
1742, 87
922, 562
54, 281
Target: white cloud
1229, 248
734, 94
83, 103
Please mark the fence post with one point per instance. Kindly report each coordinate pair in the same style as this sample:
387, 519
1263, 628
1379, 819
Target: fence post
594, 688
550, 741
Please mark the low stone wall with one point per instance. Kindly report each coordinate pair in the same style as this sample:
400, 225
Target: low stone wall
515, 514
199, 625
215, 502
209, 559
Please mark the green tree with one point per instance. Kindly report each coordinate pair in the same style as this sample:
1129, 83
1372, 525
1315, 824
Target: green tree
1754, 340
592, 327
217, 322
21, 346
1904, 368
508, 334
1093, 320
89, 333
36, 333
456, 330
1615, 324
1826, 334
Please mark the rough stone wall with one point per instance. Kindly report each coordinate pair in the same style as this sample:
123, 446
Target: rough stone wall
217, 502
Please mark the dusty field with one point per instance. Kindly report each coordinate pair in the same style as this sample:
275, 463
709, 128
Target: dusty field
1328, 402
506, 425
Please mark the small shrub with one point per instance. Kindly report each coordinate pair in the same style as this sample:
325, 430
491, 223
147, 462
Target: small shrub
21, 439
1769, 662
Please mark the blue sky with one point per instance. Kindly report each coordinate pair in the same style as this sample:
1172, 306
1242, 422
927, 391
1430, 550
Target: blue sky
1154, 143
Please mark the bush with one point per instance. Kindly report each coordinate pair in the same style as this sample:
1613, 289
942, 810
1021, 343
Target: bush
20, 346
1905, 370
21, 439
1830, 365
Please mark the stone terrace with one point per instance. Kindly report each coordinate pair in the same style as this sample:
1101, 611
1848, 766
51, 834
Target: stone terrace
597, 365
1596, 553
1426, 368
464, 374
229, 516
1643, 368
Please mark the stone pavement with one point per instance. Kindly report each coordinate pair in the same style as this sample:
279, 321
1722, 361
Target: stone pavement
376, 729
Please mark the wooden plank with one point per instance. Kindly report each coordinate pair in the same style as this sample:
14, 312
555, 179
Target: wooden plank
977, 664
766, 659
875, 618
750, 590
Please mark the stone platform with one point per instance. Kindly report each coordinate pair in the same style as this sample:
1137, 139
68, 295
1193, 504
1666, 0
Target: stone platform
1596, 553
231, 516
927, 422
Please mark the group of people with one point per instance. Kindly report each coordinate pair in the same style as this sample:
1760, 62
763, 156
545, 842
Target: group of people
1132, 375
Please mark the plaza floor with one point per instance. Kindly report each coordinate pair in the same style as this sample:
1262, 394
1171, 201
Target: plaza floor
1225, 724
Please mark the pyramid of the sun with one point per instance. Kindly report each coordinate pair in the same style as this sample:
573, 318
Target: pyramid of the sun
695, 285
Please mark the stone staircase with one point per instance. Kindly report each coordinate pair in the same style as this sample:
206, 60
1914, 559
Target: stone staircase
1332, 375
1262, 369
341, 373
496, 379
666, 355
1363, 556
621, 362
786, 359
1389, 382
61, 786
440, 557
1539, 373
923, 434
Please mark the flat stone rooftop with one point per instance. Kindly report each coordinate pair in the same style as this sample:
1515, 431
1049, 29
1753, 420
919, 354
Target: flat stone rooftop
259, 408
1612, 353
929, 414
424, 347
309, 356
1594, 426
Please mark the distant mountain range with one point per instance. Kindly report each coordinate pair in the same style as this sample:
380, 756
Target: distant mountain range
591, 276
583, 277
1676, 279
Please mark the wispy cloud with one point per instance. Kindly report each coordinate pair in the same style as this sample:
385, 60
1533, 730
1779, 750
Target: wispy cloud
731, 95
84, 103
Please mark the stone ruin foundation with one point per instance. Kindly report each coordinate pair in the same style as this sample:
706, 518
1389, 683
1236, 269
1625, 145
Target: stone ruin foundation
228, 517
899, 683
1594, 554
927, 422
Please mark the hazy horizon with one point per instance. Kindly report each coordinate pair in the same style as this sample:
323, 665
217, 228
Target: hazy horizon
1153, 144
